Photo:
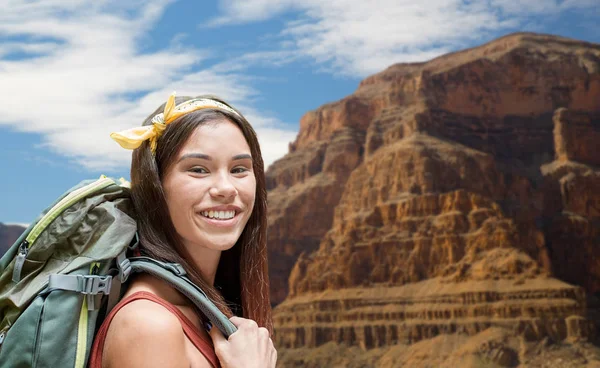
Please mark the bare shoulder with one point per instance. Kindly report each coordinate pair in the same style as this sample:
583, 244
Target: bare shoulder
145, 334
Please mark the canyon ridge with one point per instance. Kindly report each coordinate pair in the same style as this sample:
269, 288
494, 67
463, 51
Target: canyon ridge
445, 214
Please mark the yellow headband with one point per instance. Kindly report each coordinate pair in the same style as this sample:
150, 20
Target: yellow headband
133, 138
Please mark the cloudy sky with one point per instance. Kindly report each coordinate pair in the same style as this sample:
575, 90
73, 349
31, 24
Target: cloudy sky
72, 71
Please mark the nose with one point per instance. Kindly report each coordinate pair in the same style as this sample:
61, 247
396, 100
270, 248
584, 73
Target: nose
223, 187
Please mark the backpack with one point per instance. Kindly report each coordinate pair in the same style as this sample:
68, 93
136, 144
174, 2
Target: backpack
64, 274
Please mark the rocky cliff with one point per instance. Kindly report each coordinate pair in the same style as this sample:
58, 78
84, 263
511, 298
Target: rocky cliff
448, 198
8, 235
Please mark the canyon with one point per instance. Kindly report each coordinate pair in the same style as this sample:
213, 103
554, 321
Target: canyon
451, 203
445, 214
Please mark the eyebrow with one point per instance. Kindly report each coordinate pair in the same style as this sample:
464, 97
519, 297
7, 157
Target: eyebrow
202, 156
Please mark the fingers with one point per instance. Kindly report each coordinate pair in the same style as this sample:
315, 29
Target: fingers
273, 357
243, 322
249, 346
237, 320
273, 354
217, 337
250, 326
263, 333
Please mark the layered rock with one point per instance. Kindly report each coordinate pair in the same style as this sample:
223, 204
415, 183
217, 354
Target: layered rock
304, 188
376, 317
463, 188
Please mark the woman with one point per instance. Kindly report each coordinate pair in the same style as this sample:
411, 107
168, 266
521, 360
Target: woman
198, 187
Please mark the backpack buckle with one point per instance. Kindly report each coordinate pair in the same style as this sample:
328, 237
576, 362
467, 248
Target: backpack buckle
93, 285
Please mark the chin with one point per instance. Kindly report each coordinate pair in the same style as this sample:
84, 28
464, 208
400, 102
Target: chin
221, 244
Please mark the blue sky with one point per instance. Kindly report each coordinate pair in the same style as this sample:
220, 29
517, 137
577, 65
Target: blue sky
72, 71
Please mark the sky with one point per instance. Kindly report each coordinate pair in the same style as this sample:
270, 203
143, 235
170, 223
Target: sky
72, 71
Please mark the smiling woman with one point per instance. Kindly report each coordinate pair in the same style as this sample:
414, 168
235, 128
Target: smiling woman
211, 196
199, 192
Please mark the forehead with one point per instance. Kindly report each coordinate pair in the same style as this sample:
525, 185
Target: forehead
216, 136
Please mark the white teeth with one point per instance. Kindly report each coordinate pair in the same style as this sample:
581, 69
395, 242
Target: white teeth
221, 215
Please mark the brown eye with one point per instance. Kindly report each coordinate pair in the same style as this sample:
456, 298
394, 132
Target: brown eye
239, 170
199, 170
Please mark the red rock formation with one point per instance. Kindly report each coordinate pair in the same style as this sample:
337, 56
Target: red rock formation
573, 192
576, 137
443, 197
304, 188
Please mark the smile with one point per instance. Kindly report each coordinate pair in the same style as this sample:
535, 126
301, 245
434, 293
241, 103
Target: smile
217, 221
218, 215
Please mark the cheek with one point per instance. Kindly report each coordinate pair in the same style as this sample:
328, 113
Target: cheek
176, 200
172, 206
249, 193
170, 194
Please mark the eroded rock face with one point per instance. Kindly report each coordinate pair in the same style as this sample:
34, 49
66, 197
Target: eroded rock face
445, 197
412, 223
304, 188
572, 185
576, 136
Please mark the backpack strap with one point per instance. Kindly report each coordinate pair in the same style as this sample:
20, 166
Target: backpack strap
174, 274
89, 285
93, 285
124, 269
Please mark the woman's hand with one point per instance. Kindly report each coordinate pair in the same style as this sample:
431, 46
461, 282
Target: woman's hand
250, 346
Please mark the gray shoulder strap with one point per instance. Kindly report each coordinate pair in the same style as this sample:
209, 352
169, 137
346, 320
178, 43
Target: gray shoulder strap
174, 274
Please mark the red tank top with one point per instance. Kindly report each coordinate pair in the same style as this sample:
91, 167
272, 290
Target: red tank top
203, 345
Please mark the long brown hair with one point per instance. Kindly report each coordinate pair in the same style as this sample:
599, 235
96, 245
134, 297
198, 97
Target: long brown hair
242, 281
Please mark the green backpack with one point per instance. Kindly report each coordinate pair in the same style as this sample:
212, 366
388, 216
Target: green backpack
64, 274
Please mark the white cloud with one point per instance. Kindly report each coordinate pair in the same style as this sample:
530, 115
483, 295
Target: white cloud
240, 11
84, 77
259, 58
358, 38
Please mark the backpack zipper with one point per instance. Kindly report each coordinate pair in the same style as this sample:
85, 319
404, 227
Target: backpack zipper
20, 260
54, 212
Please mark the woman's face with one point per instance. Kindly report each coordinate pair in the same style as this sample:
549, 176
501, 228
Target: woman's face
210, 188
